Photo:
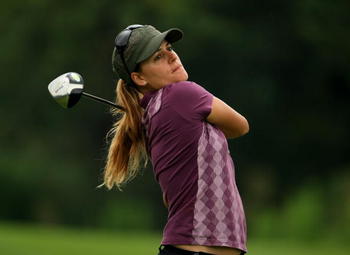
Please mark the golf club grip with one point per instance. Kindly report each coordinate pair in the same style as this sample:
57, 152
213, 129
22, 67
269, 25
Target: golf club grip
103, 101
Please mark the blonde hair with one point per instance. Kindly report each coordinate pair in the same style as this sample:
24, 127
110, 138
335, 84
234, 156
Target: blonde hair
127, 150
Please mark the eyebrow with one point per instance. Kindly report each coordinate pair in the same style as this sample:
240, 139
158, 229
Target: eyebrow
166, 44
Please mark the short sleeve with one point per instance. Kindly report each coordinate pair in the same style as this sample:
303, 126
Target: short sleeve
190, 100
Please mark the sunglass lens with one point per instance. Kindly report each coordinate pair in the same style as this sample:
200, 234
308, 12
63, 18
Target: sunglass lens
122, 38
132, 27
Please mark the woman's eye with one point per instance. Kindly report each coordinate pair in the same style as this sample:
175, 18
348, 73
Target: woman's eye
157, 57
170, 48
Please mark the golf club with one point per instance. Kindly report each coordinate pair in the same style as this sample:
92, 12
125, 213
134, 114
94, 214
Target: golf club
67, 89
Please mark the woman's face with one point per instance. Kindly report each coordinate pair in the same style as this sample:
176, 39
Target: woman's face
162, 68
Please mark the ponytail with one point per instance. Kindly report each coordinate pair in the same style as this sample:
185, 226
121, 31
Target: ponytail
127, 150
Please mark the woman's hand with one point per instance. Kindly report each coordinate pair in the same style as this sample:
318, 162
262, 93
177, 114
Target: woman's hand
230, 122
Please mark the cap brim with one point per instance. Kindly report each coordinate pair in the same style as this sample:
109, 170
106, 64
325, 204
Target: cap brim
172, 35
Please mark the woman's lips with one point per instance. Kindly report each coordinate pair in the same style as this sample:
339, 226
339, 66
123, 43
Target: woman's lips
176, 68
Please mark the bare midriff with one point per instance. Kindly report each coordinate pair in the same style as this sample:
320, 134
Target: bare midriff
217, 250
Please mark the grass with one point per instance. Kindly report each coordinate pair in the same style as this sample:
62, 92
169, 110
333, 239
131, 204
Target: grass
292, 247
36, 240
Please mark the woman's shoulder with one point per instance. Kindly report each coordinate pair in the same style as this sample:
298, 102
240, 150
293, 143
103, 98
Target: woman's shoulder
188, 98
186, 95
183, 88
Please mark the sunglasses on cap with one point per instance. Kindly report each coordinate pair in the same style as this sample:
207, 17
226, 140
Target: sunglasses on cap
121, 42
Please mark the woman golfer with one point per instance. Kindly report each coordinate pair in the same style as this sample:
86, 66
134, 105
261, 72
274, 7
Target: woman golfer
182, 129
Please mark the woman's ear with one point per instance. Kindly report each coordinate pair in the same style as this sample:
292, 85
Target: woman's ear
138, 79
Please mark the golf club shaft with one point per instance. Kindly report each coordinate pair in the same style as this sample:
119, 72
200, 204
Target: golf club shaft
103, 100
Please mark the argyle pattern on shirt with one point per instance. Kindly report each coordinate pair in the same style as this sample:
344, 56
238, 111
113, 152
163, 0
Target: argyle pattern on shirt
219, 216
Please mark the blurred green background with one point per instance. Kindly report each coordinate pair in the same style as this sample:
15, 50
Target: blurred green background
285, 65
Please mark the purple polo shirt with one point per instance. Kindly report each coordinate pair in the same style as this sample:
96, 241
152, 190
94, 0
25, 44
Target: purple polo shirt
193, 166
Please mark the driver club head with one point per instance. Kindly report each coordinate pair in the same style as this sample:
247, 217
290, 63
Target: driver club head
67, 89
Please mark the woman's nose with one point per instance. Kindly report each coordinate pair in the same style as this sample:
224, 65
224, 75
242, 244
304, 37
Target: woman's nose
171, 56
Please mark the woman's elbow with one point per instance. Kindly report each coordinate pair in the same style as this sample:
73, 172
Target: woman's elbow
245, 127
238, 131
